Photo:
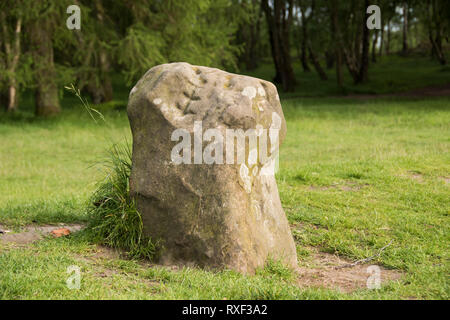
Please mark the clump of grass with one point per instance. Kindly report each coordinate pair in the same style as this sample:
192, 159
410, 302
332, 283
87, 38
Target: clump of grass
114, 218
277, 269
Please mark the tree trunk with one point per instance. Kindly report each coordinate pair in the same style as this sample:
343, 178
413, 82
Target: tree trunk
436, 40
357, 44
12, 96
405, 28
336, 36
329, 58
249, 35
364, 65
316, 64
437, 49
304, 55
388, 40
312, 55
99, 85
380, 52
339, 68
103, 90
351, 48
46, 94
288, 72
256, 55
352, 64
374, 46
106, 83
12, 56
255, 30
279, 21
273, 38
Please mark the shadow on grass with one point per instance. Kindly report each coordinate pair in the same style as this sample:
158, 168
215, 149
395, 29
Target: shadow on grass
43, 212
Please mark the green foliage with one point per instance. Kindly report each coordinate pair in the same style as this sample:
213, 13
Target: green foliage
114, 218
50, 16
10, 13
139, 50
195, 31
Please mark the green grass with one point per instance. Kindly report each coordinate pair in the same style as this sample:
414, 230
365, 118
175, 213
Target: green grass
113, 218
49, 166
354, 176
40, 272
359, 175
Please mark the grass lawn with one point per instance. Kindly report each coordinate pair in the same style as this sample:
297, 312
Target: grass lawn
355, 176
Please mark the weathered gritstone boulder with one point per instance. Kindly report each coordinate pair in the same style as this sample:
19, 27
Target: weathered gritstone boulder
224, 213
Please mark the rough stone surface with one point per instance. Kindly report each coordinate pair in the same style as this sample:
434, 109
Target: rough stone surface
209, 215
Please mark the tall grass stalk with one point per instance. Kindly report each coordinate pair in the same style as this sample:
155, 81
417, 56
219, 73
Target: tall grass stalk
113, 217
85, 103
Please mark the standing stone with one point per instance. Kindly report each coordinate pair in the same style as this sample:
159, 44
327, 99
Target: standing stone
212, 215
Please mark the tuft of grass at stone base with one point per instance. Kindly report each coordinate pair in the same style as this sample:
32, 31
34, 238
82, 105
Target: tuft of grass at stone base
113, 217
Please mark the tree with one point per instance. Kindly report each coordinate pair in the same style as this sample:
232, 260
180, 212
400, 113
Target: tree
304, 38
46, 95
195, 31
356, 36
98, 54
279, 16
13, 64
11, 58
316, 22
437, 25
405, 9
93, 51
336, 39
388, 8
308, 25
46, 32
364, 65
249, 33
374, 45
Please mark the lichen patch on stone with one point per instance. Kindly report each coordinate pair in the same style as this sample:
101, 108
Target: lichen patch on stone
249, 92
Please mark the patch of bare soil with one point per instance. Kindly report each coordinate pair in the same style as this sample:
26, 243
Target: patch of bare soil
414, 175
347, 186
331, 271
99, 253
430, 91
32, 233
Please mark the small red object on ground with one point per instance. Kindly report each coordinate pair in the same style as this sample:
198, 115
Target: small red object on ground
60, 232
